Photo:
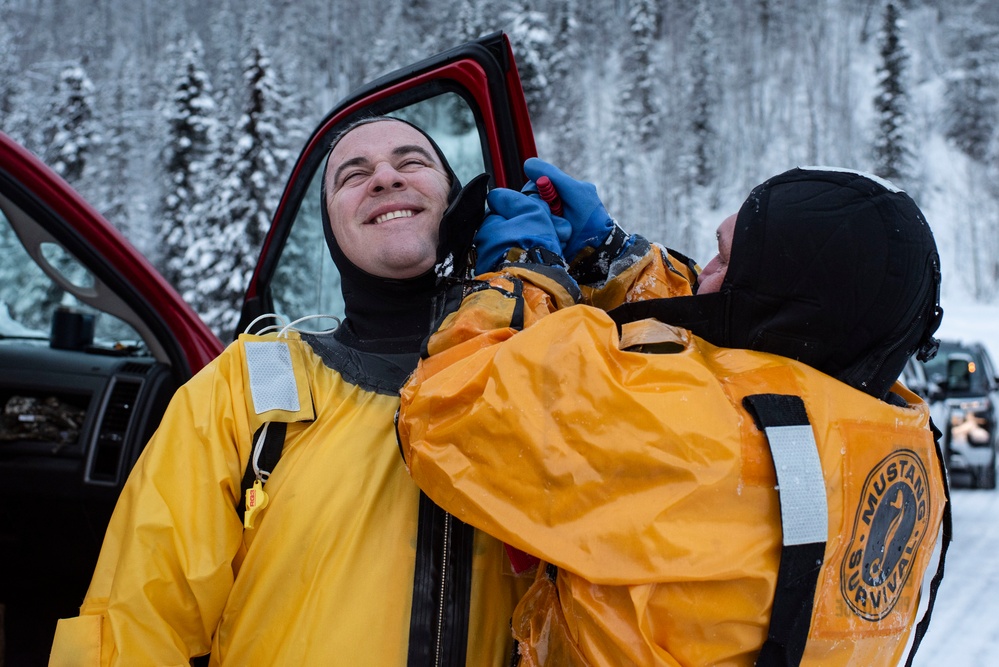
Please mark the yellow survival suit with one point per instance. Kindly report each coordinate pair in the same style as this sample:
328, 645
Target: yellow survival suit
325, 576
631, 463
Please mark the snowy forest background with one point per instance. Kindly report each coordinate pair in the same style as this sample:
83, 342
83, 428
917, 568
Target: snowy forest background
179, 121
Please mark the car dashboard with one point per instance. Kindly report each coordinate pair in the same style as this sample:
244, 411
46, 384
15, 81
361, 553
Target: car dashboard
73, 421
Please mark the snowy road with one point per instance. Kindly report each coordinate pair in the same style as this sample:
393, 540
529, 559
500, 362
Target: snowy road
964, 631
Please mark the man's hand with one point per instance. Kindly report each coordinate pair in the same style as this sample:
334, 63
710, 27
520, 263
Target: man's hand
583, 210
515, 221
562, 227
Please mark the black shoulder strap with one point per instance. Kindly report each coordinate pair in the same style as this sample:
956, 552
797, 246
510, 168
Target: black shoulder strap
269, 456
804, 523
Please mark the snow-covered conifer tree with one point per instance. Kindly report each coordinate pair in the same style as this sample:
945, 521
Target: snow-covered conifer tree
9, 67
636, 121
601, 31
187, 158
225, 256
222, 49
704, 96
892, 150
70, 131
116, 186
419, 17
640, 109
471, 21
566, 104
27, 296
973, 88
532, 40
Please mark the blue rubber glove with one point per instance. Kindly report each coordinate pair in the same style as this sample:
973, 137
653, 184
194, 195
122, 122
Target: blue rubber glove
562, 227
515, 221
583, 210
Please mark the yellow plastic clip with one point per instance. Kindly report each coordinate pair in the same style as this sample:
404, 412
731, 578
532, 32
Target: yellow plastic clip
256, 500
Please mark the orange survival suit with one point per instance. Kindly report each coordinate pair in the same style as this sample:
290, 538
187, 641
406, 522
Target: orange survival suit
680, 494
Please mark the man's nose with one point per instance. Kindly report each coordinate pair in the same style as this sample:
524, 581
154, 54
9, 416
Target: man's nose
386, 177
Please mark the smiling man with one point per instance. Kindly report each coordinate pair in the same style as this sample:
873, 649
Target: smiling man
387, 189
339, 559
385, 192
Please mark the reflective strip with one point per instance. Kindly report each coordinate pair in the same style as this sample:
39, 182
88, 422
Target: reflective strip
272, 378
804, 511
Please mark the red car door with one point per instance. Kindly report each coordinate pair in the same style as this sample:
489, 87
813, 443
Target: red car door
93, 344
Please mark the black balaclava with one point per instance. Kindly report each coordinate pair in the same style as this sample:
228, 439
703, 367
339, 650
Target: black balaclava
395, 315
833, 268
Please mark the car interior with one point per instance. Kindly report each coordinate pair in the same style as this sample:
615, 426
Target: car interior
83, 383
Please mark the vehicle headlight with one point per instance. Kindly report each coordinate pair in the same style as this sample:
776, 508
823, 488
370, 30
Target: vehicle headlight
971, 421
975, 404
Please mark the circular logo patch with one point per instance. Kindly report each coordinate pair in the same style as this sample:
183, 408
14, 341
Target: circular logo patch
891, 520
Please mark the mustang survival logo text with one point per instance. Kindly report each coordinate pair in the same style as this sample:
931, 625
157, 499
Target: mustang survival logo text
891, 521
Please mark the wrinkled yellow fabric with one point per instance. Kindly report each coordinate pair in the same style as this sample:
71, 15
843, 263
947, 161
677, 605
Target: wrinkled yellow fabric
324, 578
655, 275
645, 481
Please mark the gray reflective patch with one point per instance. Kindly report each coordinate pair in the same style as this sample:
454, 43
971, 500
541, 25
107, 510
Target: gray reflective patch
272, 379
804, 511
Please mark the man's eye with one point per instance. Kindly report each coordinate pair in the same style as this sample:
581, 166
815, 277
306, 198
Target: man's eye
352, 176
412, 163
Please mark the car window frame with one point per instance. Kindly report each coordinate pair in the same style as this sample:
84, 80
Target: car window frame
59, 215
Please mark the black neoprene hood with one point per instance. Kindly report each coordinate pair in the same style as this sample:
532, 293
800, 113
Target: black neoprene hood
836, 269
830, 267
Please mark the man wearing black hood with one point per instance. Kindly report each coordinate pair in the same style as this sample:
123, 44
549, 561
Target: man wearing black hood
833, 268
385, 191
727, 477
338, 559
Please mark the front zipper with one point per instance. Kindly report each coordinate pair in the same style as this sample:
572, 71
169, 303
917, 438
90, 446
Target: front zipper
444, 566
442, 587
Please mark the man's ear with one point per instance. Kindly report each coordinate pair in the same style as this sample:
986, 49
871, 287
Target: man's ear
458, 226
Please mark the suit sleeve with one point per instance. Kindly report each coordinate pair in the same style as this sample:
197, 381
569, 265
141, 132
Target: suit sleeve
166, 566
504, 407
643, 271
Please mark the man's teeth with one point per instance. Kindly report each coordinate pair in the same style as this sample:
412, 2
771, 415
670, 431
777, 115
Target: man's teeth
384, 217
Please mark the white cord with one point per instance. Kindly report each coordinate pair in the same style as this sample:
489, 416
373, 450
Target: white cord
269, 328
283, 326
273, 316
291, 325
258, 447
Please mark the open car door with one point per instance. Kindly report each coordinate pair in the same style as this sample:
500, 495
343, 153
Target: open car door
93, 344
469, 99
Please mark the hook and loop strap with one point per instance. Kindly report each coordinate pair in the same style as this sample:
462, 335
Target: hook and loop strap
804, 523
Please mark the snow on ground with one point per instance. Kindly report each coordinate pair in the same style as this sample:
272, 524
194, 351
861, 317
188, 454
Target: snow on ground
964, 627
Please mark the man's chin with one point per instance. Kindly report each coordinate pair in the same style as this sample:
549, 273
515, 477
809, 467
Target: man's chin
402, 268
